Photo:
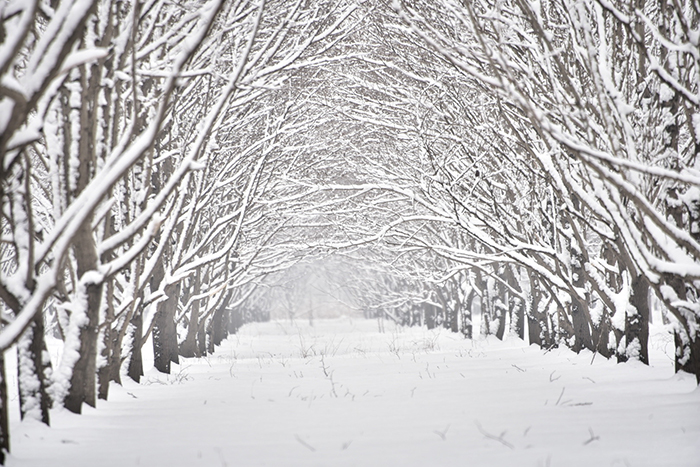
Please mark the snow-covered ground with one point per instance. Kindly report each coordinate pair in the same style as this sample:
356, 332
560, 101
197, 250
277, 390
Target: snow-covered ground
343, 394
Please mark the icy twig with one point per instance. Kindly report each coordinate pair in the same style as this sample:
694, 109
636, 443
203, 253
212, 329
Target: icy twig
305, 444
592, 438
493, 437
324, 367
561, 395
442, 434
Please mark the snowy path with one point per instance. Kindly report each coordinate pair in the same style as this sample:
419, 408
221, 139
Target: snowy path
342, 394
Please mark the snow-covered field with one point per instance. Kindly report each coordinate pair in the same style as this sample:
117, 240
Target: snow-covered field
343, 394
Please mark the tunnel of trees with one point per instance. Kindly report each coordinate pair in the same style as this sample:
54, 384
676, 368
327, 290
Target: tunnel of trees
163, 163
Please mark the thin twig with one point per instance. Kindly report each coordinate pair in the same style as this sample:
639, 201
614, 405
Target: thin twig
305, 444
592, 438
442, 434
493, 437
560, 395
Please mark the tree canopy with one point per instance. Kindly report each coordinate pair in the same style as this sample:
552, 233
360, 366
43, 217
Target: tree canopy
170, 169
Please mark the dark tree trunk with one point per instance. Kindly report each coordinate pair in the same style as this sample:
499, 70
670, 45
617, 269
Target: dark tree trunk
103, 374
210, 332
165, 349
446, 311
499, 307
689, 358
580, 325
4, 409
82, 381
32, 369
202, 337
83, 378
455, 312
686, 337
218, 331
429, 315
613, 280
135, 370
235, 320
516, 306
600, 333
637, 325
578, 309
225, 318
188, 348
466, 312
484, 302
537, 325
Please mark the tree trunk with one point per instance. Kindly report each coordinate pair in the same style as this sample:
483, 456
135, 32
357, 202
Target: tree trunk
688, 359
580, 325
235, 320
108, 349
165, 350
135, 370
537, 326
4, 409
484, 302
686, 333
188, 348
32, 368
83, 382
499, 307
600, 333
466, 312
202, 338
637, 323
218, 324
516, 307
429, 315
455, 311
578, 309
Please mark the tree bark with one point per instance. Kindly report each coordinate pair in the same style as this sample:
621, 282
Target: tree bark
466, 315
108, 347
32, 367
429, 310
165, 349
188, 348
536, 321
83, 382
516, 307
637, 323
135, 370
499, 306
4, 409
578, 309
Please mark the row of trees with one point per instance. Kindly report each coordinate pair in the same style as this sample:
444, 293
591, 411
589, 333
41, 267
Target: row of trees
542, 155
135, 139
159, 159
606, 136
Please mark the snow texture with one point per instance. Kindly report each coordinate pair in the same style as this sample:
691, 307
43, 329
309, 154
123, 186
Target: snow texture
342, 394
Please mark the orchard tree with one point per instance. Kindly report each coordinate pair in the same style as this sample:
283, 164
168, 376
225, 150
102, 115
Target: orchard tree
611, 123
116, 111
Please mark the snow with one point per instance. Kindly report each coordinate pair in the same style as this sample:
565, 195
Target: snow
82, 57
343, 394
